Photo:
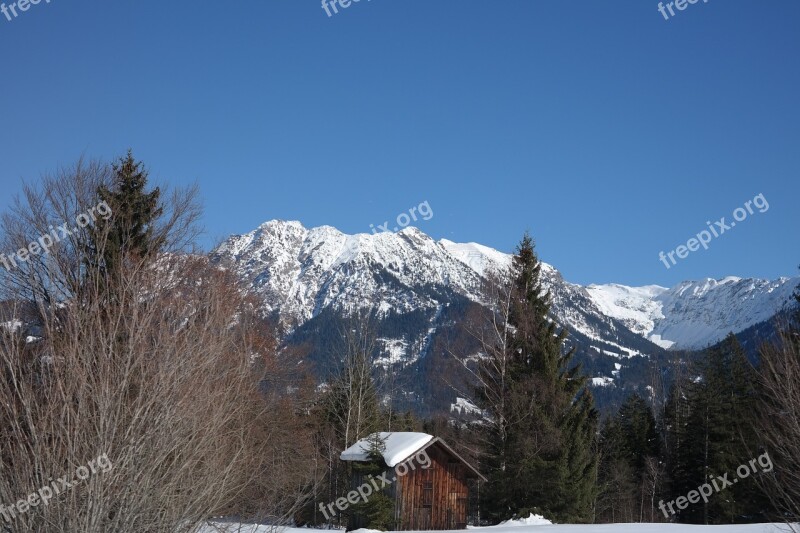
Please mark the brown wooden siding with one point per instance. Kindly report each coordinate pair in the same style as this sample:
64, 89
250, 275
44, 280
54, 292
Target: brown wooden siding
434, 497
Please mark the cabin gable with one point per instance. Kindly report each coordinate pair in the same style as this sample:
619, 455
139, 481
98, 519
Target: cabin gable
432, 488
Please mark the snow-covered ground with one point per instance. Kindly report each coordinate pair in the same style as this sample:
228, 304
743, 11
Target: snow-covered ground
638, 528
539, 525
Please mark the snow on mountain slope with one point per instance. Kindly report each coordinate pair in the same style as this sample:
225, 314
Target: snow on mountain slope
298, 272
571, 303
694, 314
477, 256
697, 313
635, 307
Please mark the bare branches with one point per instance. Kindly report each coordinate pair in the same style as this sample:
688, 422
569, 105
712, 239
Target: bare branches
353, 401
779, 418
52, 208
162, 364
41, 210
165, 386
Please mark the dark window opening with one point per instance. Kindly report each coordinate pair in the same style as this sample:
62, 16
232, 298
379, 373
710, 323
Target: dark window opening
427, 494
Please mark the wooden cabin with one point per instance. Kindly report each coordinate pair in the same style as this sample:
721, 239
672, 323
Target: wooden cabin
433, 487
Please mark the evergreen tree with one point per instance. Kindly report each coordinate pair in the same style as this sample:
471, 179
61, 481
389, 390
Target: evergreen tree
730, 386
715, 435
130, 233
540, 447
578, 484
403, 421
378, 511
616, 479
679, 443
630, 444
639, 433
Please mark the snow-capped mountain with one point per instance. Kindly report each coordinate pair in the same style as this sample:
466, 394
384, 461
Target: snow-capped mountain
300, 272
694, 314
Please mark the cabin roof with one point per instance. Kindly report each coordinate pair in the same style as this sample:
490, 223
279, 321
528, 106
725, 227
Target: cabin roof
400, 445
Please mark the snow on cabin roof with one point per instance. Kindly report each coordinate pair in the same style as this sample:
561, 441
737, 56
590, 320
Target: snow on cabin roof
399, 446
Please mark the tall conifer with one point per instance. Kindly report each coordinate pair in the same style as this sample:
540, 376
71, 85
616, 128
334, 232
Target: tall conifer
130, 232
545, 460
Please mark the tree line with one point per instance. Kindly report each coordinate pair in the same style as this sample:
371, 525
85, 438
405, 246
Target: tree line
545, 450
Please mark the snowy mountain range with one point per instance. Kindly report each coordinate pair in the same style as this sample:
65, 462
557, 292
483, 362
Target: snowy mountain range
299, 272
694, 314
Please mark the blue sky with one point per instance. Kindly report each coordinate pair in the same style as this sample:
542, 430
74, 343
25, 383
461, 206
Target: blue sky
608, 132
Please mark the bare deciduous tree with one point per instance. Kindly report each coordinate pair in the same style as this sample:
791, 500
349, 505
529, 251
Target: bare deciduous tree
169, 370
779, 419
51, 208
350, 408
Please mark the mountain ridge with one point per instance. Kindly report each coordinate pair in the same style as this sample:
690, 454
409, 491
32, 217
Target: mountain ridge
299, 271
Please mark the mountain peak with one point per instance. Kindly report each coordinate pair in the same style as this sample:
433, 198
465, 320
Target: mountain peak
299, 272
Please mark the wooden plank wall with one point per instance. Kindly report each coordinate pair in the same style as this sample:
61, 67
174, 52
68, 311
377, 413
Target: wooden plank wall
446, 507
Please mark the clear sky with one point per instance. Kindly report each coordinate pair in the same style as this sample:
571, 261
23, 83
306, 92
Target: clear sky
607, 131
